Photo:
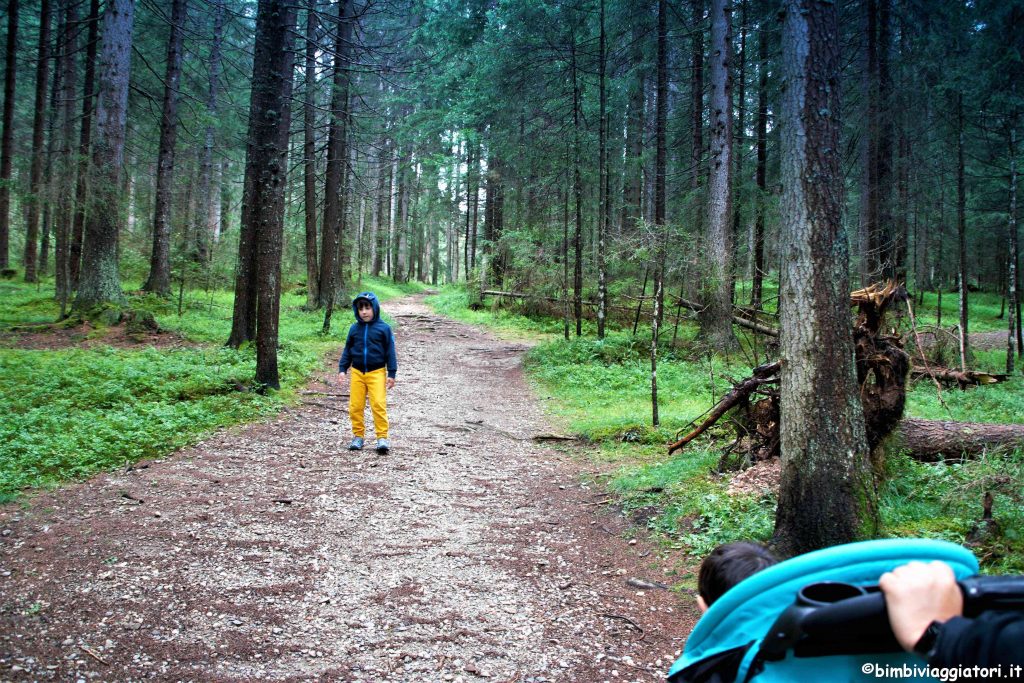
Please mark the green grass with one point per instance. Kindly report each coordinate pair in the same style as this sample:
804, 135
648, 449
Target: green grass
601, 390
73, 412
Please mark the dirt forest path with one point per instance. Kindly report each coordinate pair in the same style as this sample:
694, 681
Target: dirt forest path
470, 553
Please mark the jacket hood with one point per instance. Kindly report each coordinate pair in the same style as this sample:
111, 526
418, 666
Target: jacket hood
372, 298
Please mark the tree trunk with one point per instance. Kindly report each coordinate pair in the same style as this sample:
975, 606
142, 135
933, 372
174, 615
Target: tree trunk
634, 143
159, 280
961, 231
716, 318
309, 161
935, 440
99, 279
7, 138
868, 223
1011, 258
887, 238
756, 287
739, 143
337, 154
257, 281
34, 200
577, 286
697, 93
84, 144
826, 495
52, 113
604, 204
66, 166
209, 188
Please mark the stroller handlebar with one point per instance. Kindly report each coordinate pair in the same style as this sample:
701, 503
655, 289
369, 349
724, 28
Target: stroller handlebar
830, 618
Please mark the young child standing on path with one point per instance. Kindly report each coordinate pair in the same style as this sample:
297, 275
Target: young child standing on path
370, 354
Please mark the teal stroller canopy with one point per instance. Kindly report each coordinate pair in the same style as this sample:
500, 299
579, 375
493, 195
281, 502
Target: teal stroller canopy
756, 632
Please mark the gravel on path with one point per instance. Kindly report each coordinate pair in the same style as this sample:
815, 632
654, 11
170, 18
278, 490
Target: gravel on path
471, 552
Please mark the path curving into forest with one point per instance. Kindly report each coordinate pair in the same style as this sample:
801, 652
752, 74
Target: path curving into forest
471, 552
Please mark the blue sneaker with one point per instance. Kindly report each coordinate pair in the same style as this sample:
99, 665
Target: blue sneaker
357, 444
382, 446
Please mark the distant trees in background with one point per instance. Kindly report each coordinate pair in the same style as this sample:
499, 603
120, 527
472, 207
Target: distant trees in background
498, 143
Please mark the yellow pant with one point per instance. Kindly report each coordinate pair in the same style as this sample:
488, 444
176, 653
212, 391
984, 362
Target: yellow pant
372, 384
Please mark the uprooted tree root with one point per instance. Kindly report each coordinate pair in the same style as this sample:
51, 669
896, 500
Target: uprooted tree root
882, 368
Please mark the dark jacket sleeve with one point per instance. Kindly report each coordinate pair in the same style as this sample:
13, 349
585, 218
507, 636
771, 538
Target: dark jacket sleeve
346, 357
392, 355
991, 639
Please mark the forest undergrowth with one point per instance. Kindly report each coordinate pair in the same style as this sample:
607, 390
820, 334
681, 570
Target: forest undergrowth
601, 390
77, 403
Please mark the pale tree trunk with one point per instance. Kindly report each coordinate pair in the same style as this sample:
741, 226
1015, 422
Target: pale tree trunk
633, 148
739, 145
761, 173
7, 138
35, 190
99, 281
577, 286
159, 281
603, 199
697, 93
309, 162
716, 317
961, 231
826, 495
660, 167
1011, 258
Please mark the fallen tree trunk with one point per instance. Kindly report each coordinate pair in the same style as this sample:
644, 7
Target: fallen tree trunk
937, 440
962, 379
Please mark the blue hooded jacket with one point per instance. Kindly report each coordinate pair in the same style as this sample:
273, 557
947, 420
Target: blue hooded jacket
369, 346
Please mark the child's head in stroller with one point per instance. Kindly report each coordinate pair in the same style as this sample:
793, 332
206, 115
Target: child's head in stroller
726, 566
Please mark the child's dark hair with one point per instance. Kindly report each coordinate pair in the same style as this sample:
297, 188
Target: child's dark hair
727, 565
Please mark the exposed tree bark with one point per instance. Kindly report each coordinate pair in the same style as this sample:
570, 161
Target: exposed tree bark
34, 201
99, 279
84, 143
715, 324
7, 138
159, 280
826, 495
